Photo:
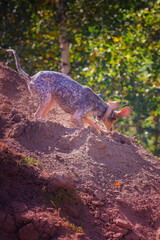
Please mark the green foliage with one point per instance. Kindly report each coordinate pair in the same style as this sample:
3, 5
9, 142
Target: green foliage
115, 50
31, 161
72, 226
122, 63
63, 197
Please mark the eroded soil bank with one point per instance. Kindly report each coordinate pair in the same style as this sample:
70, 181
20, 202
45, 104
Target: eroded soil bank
82, 186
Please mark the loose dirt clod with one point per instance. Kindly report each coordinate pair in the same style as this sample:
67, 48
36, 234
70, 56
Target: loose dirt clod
109, 184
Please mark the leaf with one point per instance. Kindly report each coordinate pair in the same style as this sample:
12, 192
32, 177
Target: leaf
117, 184
116, 39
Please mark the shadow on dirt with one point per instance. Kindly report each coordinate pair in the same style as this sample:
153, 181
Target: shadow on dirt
36, 203
37, 135
10, 87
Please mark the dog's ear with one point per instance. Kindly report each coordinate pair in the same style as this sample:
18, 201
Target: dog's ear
113, 104
124, 112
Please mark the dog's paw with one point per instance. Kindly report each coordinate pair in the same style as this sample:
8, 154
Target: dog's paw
37, 116
103, 132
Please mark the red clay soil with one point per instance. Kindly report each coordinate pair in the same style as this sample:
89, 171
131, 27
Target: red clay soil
61, 182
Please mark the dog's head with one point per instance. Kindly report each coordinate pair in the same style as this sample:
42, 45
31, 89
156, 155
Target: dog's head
110, 118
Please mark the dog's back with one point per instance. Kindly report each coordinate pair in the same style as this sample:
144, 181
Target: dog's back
63, 89
69, 94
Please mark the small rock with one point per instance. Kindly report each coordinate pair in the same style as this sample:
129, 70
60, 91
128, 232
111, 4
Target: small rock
43, 177
97, 203
49, 209
100, 196
120, 201
5, 108
103, 165
7, 101
97, 222
123, 224
60, 179
117, 235
28, 232
105, 217
109, 235
97, 214
24, 217
101, 146
117, 229
80, 235
17, 130
139, 228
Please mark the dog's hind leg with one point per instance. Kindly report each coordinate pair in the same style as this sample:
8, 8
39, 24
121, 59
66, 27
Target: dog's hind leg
44, 102
48, 108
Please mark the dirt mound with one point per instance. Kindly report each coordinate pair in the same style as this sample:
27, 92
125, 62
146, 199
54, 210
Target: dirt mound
29, 212
116, 178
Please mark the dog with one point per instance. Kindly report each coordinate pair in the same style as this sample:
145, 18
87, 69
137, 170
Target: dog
77, 100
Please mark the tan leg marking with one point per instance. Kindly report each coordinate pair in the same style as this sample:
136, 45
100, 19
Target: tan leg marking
76, 118
96, 126
48, 108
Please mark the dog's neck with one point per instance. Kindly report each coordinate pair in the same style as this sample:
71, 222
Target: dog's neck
108, 112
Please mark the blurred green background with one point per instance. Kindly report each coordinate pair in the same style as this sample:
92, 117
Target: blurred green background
113, 47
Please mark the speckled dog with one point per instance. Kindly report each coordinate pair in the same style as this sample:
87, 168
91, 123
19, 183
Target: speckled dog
79, 101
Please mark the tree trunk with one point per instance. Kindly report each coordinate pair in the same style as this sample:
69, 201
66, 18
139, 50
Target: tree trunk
63, 41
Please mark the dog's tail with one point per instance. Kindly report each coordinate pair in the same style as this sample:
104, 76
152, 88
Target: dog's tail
25, 75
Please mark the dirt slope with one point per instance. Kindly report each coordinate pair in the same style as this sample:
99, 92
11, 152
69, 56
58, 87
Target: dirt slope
116, 178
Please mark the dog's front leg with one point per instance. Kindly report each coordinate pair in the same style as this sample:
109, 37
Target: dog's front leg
77, 118
96, 126
48, 107
44, 101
